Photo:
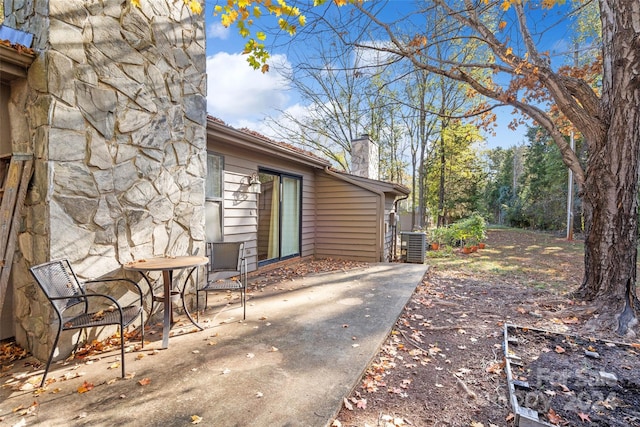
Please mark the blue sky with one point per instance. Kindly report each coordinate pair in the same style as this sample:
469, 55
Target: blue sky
242, 97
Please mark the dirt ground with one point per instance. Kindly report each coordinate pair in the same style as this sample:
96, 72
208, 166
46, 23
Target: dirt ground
443, 364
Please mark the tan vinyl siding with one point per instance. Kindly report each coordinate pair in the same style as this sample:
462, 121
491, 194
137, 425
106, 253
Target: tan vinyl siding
347, 220
240, 218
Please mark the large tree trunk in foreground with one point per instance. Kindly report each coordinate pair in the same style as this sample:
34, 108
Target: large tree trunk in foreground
610, 191
610, 205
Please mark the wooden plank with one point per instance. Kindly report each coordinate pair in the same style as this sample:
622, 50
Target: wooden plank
7, 207
23, 185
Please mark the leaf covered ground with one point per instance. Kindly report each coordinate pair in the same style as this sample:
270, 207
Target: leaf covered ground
443, 363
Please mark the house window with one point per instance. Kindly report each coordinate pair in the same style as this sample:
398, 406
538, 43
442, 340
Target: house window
279, 216
214, 196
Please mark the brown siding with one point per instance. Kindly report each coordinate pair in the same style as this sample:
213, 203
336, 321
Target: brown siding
347, 220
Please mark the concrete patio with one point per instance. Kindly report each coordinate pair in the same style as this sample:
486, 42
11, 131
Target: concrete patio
302, 349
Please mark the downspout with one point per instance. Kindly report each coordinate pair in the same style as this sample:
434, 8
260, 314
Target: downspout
380, 209
395, 225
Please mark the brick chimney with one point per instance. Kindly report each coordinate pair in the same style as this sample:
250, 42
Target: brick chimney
364, 157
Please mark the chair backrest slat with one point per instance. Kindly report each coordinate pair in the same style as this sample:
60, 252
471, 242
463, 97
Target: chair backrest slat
58, 280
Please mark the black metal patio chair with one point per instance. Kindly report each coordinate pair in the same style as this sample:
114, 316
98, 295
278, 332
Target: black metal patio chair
70, 300
226, 271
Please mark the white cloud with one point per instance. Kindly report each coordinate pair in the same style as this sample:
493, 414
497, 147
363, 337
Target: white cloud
237, 92
217, 31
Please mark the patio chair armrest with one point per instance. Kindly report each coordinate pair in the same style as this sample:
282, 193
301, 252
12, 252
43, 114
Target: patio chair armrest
118, 279
109, 297
90, 295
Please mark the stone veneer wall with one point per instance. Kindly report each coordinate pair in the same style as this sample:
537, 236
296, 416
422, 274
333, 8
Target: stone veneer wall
365, 158
114, 110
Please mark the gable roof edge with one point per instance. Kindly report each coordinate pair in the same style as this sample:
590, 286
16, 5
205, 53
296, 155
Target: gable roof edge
253, 142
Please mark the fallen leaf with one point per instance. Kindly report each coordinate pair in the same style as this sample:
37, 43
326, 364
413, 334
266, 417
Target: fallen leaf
553, 417
195, 419
347, 404
85, 387
496, 368
584, 417
145, 381
564, 388
510, 417
559, 349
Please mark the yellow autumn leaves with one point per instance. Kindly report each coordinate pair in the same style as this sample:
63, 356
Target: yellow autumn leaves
242, 13
194, 5
546, 4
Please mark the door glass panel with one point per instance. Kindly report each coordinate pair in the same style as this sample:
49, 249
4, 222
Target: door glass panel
290, 216
278, 216
269, 217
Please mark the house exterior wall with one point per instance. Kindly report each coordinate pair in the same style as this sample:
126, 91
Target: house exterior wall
240, 219
348, 222
115, 110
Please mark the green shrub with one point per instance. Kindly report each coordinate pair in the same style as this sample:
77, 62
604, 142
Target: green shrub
467, 231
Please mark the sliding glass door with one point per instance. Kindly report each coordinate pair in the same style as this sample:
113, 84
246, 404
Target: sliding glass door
279, 215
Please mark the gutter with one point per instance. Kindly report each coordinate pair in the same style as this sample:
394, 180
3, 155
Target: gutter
13, 63
395, 225
379, 228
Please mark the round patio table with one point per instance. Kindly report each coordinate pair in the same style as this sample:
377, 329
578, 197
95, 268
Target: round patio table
167, 265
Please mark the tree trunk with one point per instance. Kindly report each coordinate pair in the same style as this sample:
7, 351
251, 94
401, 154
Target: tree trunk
443, 168
610, 243
610, 191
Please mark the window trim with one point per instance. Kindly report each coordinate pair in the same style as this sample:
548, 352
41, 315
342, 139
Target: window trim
206, 195
216, 199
